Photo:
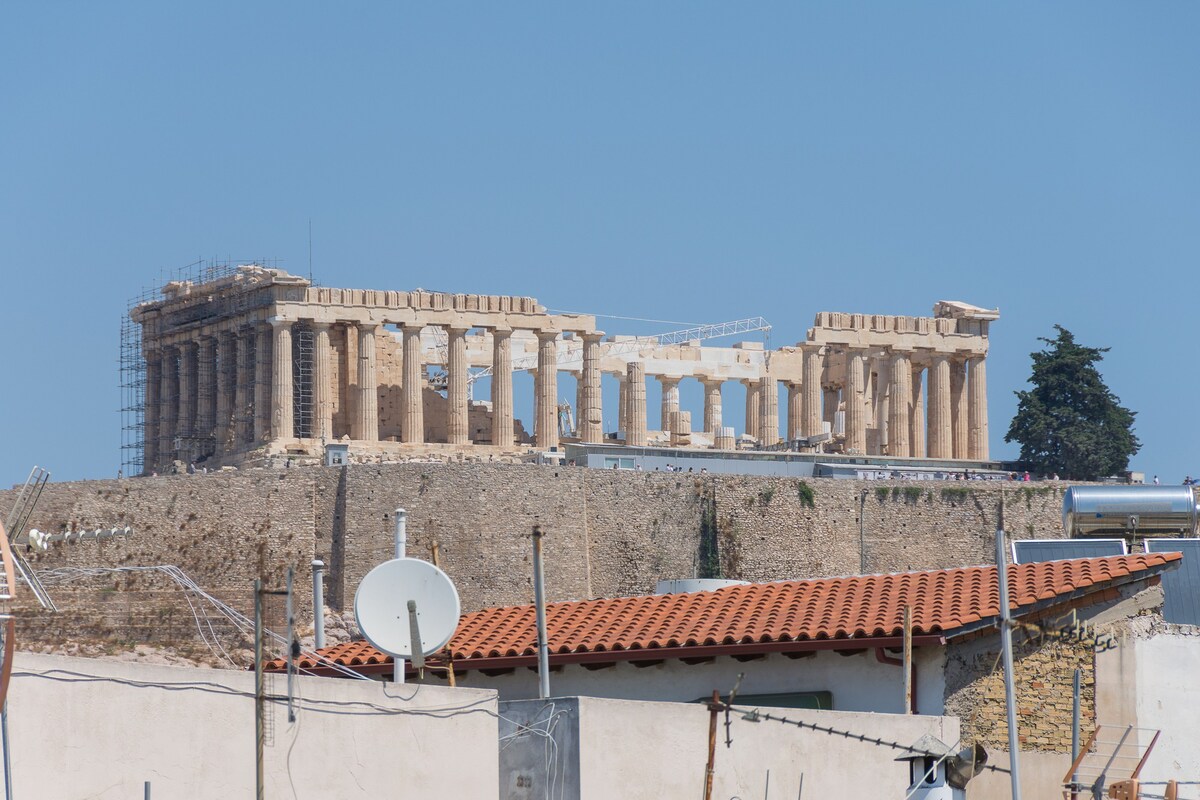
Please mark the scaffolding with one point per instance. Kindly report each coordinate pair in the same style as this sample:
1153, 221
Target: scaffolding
302, 381
132, 358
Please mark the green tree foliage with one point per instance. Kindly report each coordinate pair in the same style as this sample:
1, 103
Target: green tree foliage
1070, 423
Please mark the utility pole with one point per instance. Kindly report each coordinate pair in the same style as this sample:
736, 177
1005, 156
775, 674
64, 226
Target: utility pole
1010, 693
259, 733
539, 595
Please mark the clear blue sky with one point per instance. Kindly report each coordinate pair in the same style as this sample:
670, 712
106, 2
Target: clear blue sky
682, 161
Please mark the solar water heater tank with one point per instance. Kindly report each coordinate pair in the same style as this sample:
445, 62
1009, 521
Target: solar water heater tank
1129, 510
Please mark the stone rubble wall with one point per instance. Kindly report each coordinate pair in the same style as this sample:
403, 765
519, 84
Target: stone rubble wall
608, 533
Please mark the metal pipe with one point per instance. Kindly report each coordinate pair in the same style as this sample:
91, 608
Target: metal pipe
539, 596
259, 732
318, 568
1075, 715
291, 661
8, 793
401, 543
1010, 692
146, 791
908, 661
401, 532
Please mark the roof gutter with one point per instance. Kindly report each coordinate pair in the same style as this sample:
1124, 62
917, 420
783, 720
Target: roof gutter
659, 653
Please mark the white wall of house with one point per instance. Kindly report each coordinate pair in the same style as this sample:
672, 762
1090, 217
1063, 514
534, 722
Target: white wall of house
603, 748
858, 682
100, 729
1168, 696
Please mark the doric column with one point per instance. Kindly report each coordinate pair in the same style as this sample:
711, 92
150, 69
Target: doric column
169, 402
899, 420
263, 377
322, 387
591, 418
670, 400
712, 406
152, 411
282, 390
795, 410
941, 444
958, 406
623, 401
412, 428
882, 389
753, 410
502, 388
366, 418
916, 445
457, 427
856, 423
830, 401
226, 380
636, 391
243, 421
206, 389
810, 387
977, 441
768, 411
546, 387
186, 424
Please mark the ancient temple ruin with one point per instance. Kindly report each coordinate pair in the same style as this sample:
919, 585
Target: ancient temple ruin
259, 363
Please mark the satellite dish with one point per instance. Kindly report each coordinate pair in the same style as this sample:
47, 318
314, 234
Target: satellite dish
381, 607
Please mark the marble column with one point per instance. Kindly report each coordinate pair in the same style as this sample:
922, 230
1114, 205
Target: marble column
977, 441
502, 388
768, 411
152, 411
263, 376
810, 387
916, 445
186, 424
635, 435
958, 406
243, 393
941, 444
623, 402
856, 423
670, 400
349, 370
322, 387
226, 380
591, 419
366, 406
831, 399
546, 388
882, 390
282, 389
169, 402
712, 406
412, 398
206, 391
899, 419
795, 410
753, 409
458, 431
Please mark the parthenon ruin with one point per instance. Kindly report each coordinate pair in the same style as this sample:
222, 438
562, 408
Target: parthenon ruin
260, 363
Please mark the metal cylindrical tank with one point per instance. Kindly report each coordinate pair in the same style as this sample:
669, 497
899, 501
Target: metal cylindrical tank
685, 585
1089, 510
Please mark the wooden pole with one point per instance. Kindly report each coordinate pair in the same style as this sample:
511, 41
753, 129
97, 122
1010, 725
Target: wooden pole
436, 554
908, 661
712, 743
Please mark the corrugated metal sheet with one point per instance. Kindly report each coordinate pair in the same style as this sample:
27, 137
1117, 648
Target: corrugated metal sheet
1181, 586
1029, 551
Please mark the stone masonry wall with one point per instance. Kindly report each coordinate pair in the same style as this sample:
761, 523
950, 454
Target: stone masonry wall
608, 533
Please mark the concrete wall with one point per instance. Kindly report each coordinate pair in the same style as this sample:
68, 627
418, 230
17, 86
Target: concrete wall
858, 682
102, 737
636, 750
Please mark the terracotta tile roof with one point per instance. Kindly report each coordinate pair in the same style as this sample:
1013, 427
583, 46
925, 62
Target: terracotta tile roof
825, 613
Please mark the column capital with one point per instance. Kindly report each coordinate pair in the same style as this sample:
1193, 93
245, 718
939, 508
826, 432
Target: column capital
318, 325
190, 346
592, 337
546, 336
668, 379
277, 322
458, 330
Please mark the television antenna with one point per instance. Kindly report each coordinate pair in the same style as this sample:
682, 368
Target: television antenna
407, 608
19, 515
